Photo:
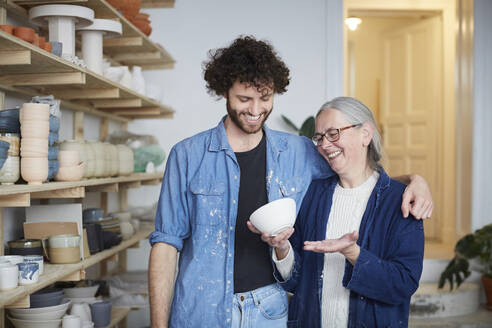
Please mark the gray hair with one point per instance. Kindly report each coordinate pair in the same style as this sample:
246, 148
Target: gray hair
357, 113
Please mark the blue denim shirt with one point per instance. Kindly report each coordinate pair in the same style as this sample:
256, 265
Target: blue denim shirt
386, 273
197, 212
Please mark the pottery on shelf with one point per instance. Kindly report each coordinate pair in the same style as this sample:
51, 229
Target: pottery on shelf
79, 146
34, 147
7, 28
138, 81
68, 158
13, 139
10, 172
70, 173
34, 170
24, 33
92, 41
61, 21
33, 111
35, 129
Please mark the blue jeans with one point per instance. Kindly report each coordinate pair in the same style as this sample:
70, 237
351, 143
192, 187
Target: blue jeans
263, 307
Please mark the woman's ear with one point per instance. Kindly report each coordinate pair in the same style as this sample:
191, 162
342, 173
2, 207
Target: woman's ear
367, 132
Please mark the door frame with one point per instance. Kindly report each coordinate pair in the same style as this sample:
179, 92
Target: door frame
457, 121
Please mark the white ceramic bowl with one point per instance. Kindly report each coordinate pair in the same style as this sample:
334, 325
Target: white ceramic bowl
46, 315
274, 217
19, 323
81, 292
64, 241
63, 306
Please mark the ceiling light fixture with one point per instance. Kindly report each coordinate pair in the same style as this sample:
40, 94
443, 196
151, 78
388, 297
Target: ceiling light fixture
353, 22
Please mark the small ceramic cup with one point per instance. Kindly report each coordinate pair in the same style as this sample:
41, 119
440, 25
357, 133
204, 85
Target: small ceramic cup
101, 313
71, 321
64, 241
68, 158
9, 276
28, 273
35, 259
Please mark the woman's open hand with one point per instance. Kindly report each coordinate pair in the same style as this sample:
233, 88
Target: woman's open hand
345, 245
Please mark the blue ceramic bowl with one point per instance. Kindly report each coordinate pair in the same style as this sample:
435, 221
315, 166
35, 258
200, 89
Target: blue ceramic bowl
9, 121
53, 153
4, 152
54, 123
53, 137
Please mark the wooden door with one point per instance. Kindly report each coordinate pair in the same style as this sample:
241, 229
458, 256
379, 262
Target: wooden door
411, 106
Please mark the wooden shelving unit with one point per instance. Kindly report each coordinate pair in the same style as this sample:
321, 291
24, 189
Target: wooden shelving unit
28, 69
132, 48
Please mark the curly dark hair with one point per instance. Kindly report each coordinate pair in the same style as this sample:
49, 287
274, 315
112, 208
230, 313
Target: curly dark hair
247, 60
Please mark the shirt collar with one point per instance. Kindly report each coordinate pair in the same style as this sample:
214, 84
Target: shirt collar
218, 140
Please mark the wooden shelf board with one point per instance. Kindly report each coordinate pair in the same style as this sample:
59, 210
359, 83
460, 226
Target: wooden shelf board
117, 315
43, 62
24, 188
55, 272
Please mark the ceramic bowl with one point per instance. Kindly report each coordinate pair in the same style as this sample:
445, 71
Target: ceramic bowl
274, 217
28, 273
32, 147
34, 170
10, 172
64, 305
14, 140
25, 247
34, 111
14, 259
9, 276
7, 28
64, 255
70, 173
36, 259
24, 33
47, 297
77, 292
64, 241
19, 323
68, 158
46, 315
9, 121
35, 129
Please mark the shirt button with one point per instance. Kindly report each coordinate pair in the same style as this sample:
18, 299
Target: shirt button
234, 201
362, 297
242, 298
235, 177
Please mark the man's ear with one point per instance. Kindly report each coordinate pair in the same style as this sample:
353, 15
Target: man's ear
367, 133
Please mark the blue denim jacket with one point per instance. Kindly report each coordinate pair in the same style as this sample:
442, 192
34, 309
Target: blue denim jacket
197, 213
386, 273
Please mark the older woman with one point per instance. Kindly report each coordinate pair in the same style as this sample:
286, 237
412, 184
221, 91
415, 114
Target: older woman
352, 260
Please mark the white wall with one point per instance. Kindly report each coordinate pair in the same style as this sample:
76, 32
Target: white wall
482, 132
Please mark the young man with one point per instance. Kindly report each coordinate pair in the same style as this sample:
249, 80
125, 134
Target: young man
214, 181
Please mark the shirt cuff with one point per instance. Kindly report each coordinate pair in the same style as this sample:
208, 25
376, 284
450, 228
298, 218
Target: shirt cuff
160, 237
285, 265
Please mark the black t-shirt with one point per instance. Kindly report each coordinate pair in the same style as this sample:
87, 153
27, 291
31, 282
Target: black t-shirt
252, 265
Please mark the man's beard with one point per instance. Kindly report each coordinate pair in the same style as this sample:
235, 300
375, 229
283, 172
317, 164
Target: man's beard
245, 128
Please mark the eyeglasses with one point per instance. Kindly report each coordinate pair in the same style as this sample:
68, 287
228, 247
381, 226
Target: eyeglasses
331, 134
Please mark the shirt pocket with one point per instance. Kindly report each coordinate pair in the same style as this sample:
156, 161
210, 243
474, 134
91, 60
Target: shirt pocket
209, 202
291, 186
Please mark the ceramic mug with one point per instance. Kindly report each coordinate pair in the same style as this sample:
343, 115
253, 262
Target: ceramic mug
35, 259
101, 313
28, 273
71, 321
9, 276
81, 310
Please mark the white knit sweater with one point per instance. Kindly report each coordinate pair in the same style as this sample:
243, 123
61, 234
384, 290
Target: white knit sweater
345, 216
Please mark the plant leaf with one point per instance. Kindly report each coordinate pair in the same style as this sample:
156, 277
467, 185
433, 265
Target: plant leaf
307, 128
290, 124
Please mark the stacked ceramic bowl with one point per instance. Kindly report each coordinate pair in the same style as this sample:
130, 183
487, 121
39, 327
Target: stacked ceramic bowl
70, 166
35, 129
53, 148
46, 316
125, 155
79, 147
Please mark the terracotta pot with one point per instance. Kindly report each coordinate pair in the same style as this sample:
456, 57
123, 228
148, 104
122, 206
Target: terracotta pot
36, 40
7, 28
148, 30
487, 286
142, 26
47, 46
24, 33
42, 42
142, 16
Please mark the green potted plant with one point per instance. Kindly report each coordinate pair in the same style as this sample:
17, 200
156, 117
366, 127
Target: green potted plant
477, 245
307, 127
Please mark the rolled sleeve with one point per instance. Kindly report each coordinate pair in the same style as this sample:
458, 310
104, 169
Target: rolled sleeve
172, 223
